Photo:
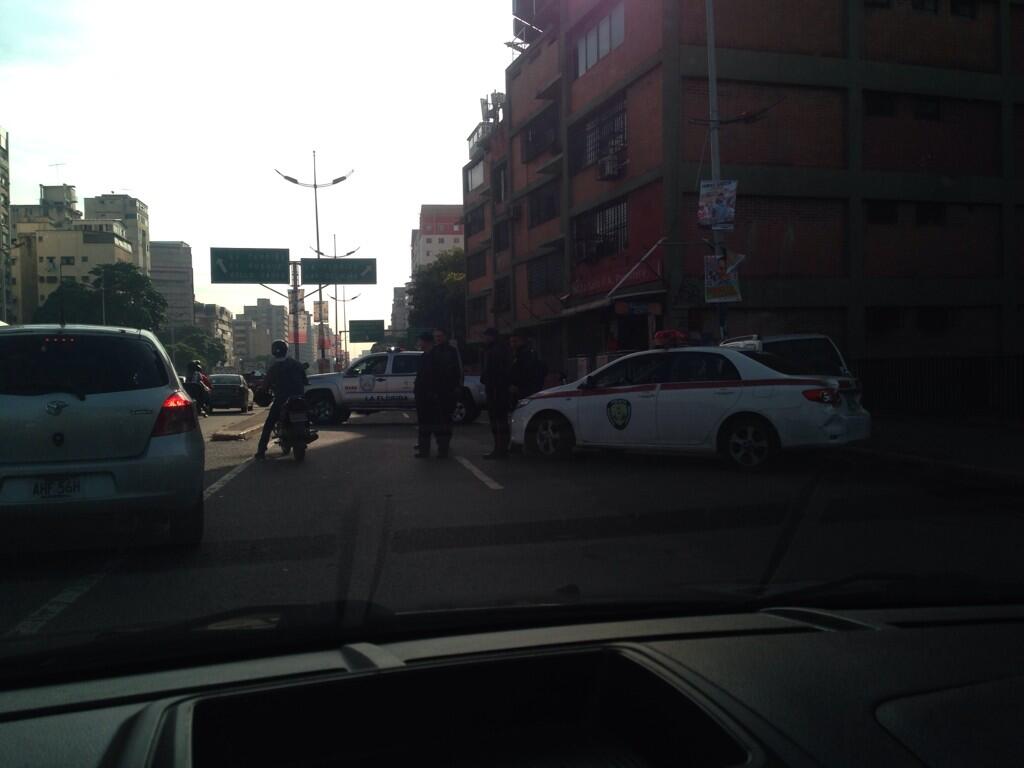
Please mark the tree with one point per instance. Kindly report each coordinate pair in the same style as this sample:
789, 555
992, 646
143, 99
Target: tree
438, 294
185, 343
116, 294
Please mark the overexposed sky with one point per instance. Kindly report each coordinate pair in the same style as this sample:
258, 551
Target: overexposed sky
189, 106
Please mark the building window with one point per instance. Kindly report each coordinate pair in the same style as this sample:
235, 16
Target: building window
966, 8
601, 39
882, 322
502, 294
601, 232
540, 134
440, 241
600, 135
475, 176
881, 212
501, 236
67, 259
928, 6
879, 104
544, 275
85, 259
544, 203
934, 321
499, 183
477, 310
51, 279
42, 279
928, 109
476, 265
474, 220
930, 214
877, 3
68, 279
430, 240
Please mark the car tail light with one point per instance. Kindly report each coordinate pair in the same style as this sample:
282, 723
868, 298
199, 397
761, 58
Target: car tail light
826, 396
177, 415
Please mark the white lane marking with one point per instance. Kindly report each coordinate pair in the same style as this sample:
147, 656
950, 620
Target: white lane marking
491, 483
56, 605
225, 479
406, 415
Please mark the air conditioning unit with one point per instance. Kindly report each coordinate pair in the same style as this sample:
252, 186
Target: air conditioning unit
514, 212
609, 167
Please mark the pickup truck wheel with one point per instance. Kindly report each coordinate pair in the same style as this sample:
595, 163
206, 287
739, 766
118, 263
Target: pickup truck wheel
466, 410
322, 409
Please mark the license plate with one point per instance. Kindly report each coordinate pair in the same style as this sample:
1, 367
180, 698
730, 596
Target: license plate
57, 487
297, 417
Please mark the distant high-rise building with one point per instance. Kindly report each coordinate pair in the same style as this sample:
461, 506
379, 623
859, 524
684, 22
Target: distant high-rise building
171, 263
216, 321
243, 338
6, 292
400, 310
271, 323
135, 215
440, 230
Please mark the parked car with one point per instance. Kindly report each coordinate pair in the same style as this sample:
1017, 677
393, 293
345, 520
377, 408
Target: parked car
102, 426
801, 354
702, 400
381, 382
230, 390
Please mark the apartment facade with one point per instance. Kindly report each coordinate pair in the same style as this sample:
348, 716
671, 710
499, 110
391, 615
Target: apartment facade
171, 272
6, 227
216, 321
135, 215
400, 309
874, 144
271, 322
440, 230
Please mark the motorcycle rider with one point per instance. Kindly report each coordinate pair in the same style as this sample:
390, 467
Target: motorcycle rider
199, 386
286, 377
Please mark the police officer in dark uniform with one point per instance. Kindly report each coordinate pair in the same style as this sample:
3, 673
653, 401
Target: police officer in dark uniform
286, 378
436, 389
527, 373
494, 375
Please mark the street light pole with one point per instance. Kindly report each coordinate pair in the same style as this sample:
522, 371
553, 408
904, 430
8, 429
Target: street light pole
316, 211
716, 160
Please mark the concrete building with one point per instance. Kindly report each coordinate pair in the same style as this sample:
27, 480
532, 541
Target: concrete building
216, 321
55, 245
400, 310
6, 227
171, 272
135, 215
271, 322
440, 230
874, 144
243, 339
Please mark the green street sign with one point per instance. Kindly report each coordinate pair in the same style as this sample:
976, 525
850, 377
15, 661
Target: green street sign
249, 265
364, 331
339, 271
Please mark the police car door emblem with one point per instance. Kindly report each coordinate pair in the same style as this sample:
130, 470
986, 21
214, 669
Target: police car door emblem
619, 413
366, 383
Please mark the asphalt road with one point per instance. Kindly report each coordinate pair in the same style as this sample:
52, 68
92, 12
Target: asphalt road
362, 520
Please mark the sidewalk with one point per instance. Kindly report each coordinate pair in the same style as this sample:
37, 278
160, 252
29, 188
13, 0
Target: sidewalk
985, 448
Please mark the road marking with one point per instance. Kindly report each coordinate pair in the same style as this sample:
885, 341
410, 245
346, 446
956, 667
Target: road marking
56, 605
225, 479
404, 414
490, 482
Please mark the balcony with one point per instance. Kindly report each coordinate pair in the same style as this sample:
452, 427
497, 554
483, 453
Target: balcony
478, 140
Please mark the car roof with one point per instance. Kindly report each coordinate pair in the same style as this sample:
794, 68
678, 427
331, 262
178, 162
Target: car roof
779, 337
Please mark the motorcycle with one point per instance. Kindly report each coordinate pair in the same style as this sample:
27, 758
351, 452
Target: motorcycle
293, 430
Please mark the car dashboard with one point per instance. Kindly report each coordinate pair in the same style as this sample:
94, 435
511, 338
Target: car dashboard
932, 686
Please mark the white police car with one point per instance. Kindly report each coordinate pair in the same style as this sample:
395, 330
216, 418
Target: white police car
702, 400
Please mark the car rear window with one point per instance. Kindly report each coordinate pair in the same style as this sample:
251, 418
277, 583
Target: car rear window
78, 364
226, 378
808, 356
774, 362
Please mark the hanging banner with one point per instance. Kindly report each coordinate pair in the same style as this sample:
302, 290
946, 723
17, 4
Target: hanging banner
321, 312
717, 206
721, 279
302, 337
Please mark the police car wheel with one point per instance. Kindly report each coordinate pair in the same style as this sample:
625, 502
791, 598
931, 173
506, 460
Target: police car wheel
748, 442
465, 411
551, 436
322, 409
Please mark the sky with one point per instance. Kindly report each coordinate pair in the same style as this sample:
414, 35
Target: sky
190, 106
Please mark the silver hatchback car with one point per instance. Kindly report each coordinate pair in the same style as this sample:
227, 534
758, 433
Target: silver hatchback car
93, 420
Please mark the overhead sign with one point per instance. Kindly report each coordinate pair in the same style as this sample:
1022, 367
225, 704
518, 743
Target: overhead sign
364, 331
339, 271
249, 265
717, 206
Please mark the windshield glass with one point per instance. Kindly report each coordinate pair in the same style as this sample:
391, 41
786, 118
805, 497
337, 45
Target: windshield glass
346, 318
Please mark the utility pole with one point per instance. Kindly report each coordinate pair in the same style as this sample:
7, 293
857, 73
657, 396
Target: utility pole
716, 160
295, 302
320, 288
337, 329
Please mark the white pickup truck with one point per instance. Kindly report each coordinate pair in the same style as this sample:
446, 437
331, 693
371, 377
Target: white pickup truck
381, 382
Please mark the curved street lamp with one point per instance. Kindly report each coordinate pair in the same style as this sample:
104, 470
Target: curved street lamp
316, 212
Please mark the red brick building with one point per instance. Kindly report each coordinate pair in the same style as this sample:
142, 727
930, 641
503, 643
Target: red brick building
877, 199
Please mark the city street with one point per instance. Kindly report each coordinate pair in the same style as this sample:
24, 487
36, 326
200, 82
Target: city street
362, 520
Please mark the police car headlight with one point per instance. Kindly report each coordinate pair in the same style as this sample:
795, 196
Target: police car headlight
524, 402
